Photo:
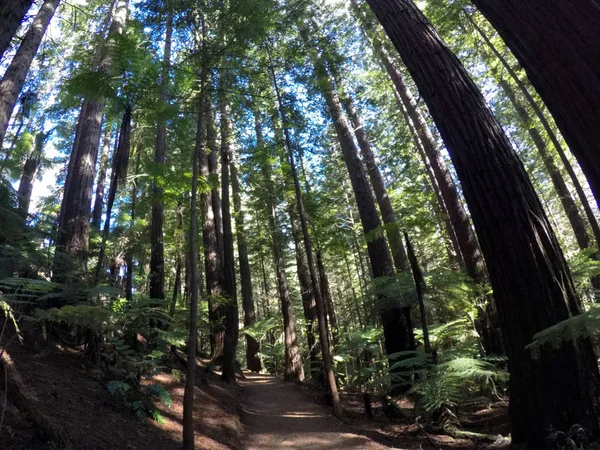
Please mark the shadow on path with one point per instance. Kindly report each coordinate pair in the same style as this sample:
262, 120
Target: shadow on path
278, 416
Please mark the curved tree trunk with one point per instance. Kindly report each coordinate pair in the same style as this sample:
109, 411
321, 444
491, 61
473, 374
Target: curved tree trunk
558, 47
531, 280
593, 221
14, 77
12, 14
567, 201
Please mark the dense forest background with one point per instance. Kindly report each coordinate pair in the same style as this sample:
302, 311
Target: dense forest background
375, 197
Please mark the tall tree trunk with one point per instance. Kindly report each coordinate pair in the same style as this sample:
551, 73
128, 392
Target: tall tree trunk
547, 128
190, 379
558, 47
395, 328
420, 286
120, 162
229, 282
467, 241
293, 369
157, 257
531, 281
179, 239
99, 198
12, 14
392, 230
213, 242
73, 236
213, 173
14, 77
252, 346
73, 159
30, 169
129, 251
462, 232
309, 306
326, 294
440, 205
567, 201
321, 309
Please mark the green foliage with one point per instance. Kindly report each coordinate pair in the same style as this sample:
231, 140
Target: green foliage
140, 401
96, 318
456, 381
583, 326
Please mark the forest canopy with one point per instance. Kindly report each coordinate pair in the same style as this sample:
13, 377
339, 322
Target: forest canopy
389, 198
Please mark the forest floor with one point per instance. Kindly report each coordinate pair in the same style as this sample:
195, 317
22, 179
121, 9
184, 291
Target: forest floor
280, 415
64, 388
66, 391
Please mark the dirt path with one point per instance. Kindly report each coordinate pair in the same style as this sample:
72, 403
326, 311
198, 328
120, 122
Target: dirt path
278, 416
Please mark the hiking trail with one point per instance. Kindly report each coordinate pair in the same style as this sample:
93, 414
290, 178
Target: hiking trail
277, 415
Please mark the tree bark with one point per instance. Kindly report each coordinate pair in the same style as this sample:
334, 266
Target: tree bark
157, 257
212, 249
395, 328
229, 282
567, 201
321, 309
253, 362
309, 306
99, 198
213, 179
12, 14
592, 220
30, 169
531, 281
470, 253
392, 230
190, 379
118, 172
73, 236
326, 295
558, 47
293, 370
129, 251
14, 77
420, 287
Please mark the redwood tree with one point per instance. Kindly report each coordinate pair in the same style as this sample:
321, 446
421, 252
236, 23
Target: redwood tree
396, 330
12, 14
74, 227
157, 257
14, 77
557, 44
252, 346
532, 284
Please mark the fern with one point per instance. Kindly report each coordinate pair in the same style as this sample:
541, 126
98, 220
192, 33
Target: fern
457, 380
583, 326
157, 392
117, 387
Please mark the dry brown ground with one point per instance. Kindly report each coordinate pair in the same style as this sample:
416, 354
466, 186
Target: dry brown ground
79, 405
276, 415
